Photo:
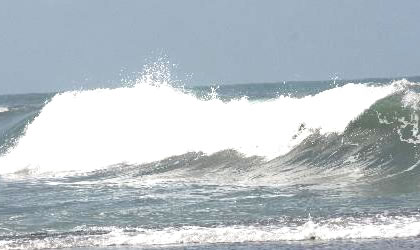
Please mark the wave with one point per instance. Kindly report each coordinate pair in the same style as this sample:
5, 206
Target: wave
378, 227
93, 129
150, 121
382, 141
4, 109
13, 124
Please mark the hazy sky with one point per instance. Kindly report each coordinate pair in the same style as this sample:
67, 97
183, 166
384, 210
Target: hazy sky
51, 45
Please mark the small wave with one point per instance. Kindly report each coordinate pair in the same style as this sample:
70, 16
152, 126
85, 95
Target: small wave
4, 109
380, 227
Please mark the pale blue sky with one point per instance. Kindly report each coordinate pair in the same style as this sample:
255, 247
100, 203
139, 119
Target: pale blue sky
51, 45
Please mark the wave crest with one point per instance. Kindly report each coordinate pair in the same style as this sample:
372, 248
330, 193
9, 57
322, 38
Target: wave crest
149, 121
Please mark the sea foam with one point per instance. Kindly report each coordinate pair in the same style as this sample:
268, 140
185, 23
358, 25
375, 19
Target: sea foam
334, 229
4, 109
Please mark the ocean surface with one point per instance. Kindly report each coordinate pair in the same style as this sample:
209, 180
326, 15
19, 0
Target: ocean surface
154, 165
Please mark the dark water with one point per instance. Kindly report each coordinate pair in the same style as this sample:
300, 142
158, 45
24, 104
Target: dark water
317, 165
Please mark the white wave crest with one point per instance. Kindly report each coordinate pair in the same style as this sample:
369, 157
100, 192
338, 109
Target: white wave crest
151, 120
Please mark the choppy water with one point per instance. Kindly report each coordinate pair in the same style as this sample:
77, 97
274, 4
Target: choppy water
317, 165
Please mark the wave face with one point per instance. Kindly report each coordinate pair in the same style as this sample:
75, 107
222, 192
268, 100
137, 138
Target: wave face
16, 112
151, 120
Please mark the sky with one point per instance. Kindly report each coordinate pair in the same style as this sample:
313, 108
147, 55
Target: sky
55, 45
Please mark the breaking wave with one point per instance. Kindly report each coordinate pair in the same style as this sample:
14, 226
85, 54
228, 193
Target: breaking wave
150, 120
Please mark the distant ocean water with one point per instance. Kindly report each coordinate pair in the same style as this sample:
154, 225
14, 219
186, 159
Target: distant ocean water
320, 165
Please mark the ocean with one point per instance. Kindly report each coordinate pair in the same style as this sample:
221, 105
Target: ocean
157, 165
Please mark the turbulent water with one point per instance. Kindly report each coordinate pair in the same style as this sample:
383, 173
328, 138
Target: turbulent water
322, 165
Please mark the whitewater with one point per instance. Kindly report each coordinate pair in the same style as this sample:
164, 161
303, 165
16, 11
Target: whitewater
150, 121
155, 164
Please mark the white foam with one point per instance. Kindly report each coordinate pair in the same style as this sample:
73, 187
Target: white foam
411, 99
380, 227
4, 109
85, 130
233, 234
